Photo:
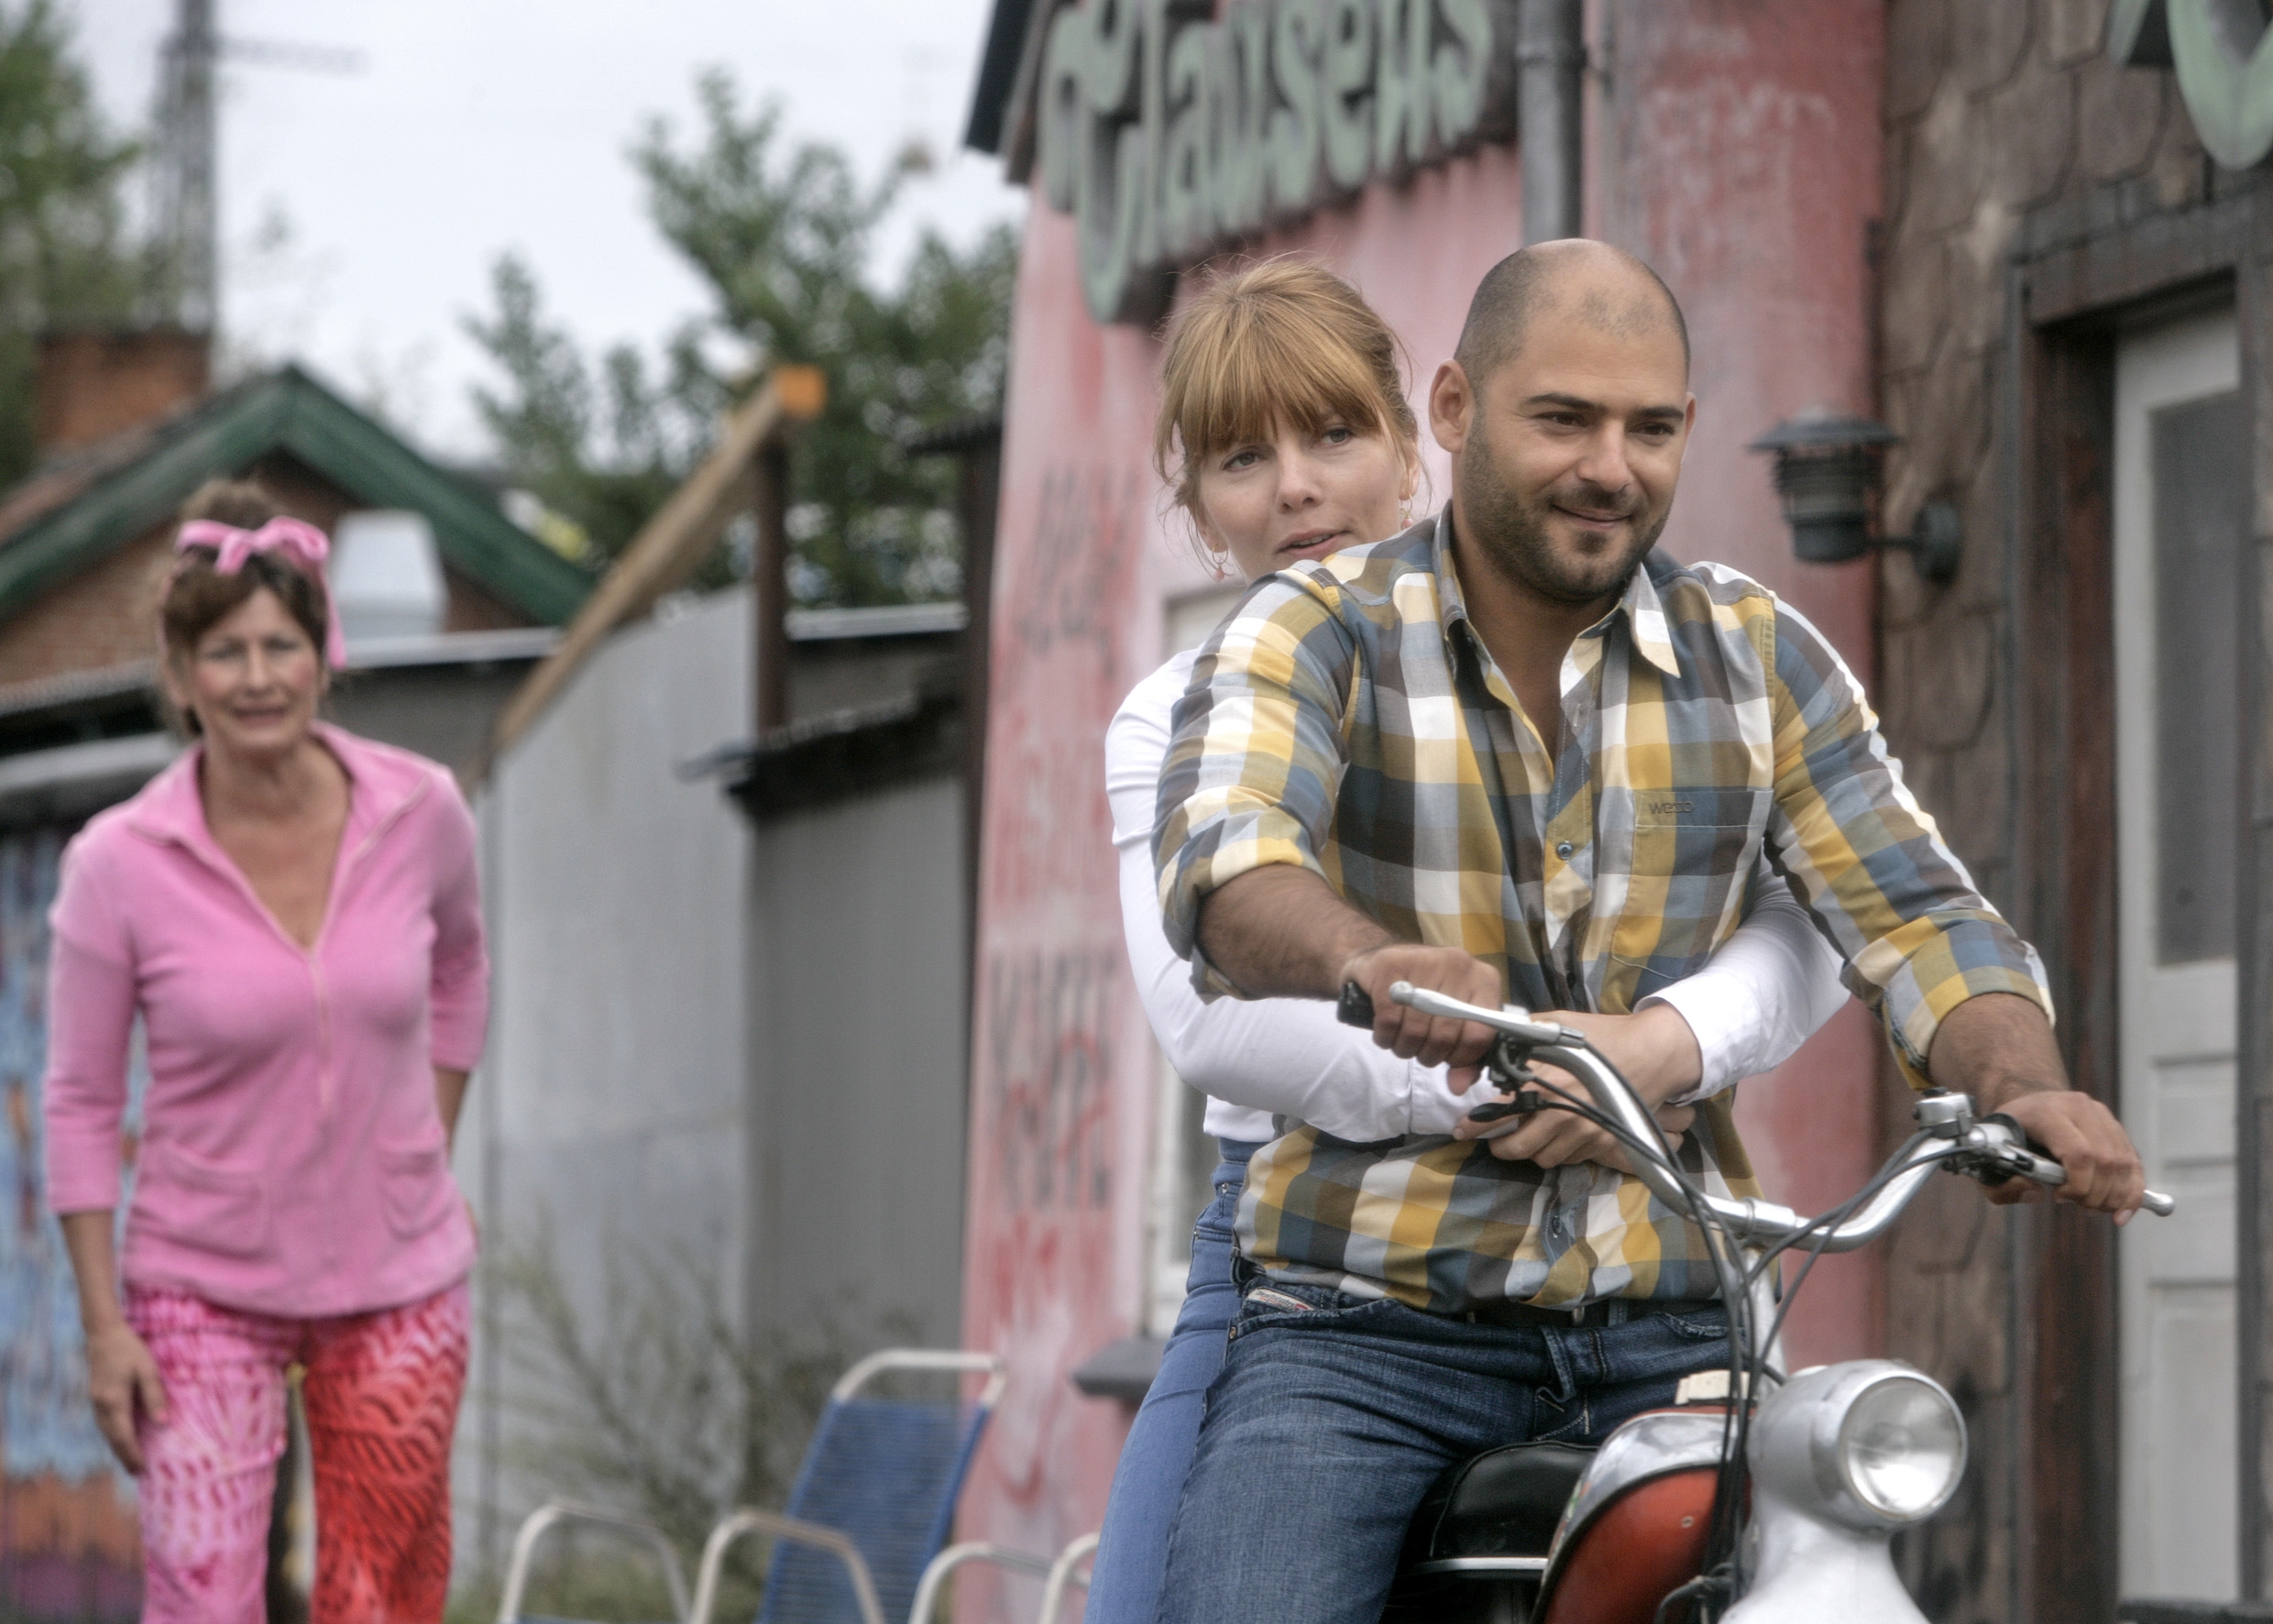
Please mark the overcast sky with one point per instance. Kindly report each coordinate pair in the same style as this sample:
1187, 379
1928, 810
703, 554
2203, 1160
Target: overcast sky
475, 126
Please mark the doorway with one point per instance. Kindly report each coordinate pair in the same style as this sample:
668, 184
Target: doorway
2182, 508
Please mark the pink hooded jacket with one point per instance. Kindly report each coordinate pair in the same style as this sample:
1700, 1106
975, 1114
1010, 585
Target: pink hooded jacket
293, 1158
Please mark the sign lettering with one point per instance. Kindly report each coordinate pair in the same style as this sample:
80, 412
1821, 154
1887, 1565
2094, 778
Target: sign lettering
1167, 133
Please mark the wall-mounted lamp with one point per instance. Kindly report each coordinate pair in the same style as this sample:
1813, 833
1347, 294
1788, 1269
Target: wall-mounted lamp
1824, 468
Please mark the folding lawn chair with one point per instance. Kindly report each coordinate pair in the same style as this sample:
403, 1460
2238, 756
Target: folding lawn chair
566, 1514
1057, 1577
872, 1505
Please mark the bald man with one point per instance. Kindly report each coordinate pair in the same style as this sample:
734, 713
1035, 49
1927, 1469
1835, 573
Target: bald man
1515, 755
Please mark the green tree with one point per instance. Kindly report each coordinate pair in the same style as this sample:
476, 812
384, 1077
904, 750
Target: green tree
63, 257
781, 234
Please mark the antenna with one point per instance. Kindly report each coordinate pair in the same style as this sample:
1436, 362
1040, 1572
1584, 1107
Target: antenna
185, 210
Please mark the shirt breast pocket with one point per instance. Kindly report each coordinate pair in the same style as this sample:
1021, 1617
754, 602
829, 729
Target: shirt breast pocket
1694, 851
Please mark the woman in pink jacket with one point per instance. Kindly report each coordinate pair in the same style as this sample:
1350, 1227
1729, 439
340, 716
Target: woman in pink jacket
293, 913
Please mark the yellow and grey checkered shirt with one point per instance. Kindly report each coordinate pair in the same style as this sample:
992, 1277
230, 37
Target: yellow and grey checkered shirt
1348, 718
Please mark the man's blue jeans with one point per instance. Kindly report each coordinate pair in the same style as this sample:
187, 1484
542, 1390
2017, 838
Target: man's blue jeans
1329, 1423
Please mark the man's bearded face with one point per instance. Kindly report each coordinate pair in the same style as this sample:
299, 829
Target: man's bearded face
1531, 535
1573, 450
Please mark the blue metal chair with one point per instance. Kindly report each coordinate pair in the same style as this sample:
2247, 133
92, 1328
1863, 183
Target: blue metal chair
872, 1503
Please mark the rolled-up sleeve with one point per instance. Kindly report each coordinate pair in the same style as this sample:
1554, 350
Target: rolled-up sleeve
90, 1007
1918, 939
460, 994
1255, 754
1284, 1055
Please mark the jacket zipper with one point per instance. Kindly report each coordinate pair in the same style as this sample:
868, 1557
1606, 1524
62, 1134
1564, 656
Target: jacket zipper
314, 955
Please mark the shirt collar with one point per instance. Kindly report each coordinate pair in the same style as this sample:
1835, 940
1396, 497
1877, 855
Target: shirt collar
379, 782
1645, 613
1643, 609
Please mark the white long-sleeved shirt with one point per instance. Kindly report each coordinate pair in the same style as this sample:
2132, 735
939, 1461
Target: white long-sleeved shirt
1768, 988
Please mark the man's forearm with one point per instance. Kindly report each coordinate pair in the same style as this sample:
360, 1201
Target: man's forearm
1995, 1048
1998, 1048
1281, 932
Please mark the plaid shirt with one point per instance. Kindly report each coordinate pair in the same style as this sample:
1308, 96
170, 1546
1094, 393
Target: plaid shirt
1348, 718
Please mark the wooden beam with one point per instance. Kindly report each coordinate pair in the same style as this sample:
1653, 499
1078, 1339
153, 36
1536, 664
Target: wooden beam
770, 589
667, 551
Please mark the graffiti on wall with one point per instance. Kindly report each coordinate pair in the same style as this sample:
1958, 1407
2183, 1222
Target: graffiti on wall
1051, 1051
67, 1543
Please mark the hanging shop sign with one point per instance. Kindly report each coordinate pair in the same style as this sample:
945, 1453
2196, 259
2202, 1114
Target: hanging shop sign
2222, 52
1167, 134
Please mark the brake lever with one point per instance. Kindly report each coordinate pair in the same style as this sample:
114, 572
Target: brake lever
2027, 1160
1355, 1008
1521, 1098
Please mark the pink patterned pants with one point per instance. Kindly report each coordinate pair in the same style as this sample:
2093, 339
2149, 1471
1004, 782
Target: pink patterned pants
381, 1396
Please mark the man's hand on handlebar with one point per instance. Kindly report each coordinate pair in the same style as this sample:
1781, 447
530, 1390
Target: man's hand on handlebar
1655, 1051
1998, 1048
2084, 1136
1431, 1039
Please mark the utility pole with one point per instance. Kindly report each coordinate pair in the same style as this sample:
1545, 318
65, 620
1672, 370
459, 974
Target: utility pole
188, 271
185, 211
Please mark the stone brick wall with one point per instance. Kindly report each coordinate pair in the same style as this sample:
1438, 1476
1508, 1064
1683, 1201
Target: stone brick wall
2009, 133
2006, 124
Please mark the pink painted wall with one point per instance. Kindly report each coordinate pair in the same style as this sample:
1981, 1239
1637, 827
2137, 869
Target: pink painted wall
1738, 150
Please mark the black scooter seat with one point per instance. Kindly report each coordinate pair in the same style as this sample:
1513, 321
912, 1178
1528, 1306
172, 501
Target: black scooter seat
1504, 1502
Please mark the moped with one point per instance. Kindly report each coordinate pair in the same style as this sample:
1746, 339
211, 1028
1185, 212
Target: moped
1758, 1498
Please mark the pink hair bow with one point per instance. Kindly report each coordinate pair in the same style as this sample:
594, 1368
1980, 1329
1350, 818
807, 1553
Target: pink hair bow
296, 539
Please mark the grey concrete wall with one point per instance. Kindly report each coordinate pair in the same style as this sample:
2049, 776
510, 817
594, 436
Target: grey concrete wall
745, 1048
859, 994
443, 712
608, 1108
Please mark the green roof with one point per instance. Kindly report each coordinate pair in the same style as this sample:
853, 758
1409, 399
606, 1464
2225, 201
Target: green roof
284, 411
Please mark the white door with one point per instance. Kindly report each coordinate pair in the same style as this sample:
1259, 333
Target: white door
2181, 517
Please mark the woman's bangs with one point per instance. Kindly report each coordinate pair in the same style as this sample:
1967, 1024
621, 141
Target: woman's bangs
1263, 376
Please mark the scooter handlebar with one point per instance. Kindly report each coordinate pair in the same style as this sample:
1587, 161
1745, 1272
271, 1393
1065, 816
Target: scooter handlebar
1993, 1140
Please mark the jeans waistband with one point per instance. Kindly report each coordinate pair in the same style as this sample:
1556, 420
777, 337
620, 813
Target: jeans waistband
1232, 1168
1606, 1310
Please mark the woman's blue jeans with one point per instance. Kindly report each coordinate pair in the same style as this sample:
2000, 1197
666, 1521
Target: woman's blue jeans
1124, 1586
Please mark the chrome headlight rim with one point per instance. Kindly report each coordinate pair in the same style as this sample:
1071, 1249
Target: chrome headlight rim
1846, 1494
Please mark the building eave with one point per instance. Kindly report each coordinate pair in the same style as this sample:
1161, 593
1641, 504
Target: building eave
288, 410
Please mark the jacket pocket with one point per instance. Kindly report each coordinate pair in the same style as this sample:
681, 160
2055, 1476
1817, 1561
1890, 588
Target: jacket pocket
415, 1188
209, 1205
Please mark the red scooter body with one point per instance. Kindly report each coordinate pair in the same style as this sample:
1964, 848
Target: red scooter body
1640, 1548
1546, 1533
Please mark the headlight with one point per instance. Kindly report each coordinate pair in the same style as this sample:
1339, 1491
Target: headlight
1871, 1443
1902, 1448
